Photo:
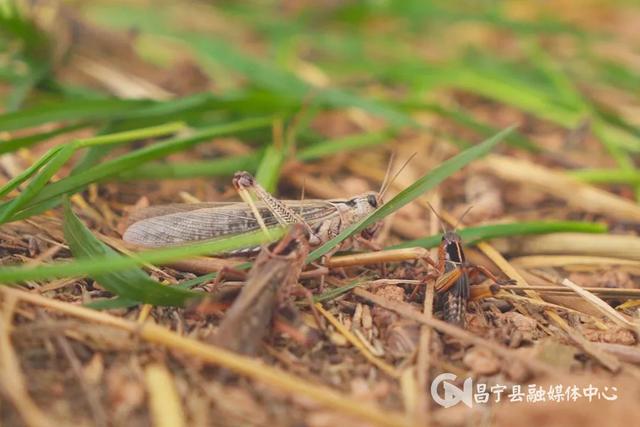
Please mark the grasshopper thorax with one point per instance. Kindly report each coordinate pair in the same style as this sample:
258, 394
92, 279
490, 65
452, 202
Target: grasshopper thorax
452, 244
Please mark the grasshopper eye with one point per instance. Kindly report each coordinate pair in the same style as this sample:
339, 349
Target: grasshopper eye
371, 198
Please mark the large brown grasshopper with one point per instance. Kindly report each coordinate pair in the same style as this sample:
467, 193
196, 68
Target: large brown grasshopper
175, 224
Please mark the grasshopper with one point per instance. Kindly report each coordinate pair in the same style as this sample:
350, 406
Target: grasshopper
453, 275
176, 224
269, 284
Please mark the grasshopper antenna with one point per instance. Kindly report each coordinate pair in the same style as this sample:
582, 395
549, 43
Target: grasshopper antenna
383, 187
303, 194
388, 185
459, 221
444, 230
302, 190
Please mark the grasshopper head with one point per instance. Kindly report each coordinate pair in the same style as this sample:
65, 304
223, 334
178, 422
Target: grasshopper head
363, 205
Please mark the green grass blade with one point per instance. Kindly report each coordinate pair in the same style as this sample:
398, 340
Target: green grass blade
340, 145
284, 83
269, 169
111, 304
107, 264
29, 172
472, 235
607, 176
114, 138
416, 189
228, 165
119, 302
131, 135
37, 209
465, 119
76, 182
73, 110
27, 141
176, 170
52, 166
133, 284
514, 93
336, 292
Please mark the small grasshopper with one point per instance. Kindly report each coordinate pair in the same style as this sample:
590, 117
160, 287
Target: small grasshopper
268, 287
453, 275
175, 224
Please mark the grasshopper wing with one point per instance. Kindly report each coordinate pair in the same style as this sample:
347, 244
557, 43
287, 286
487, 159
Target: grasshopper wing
454, 299
184, 226
176, 224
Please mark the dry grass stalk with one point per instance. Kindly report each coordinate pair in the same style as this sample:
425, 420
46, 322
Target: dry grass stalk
164, 401
625, 353
241, 365
91, 395
423, 360
566, 300
577, 194
608, 361
603, 292
536, 302
568, 260
12, 384
598, 245
603, 307
357, 343
392, 255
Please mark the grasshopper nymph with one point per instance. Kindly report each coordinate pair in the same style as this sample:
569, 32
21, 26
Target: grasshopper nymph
454, 275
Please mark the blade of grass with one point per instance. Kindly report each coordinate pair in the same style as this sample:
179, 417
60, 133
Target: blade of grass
111, 304
119, 302
102, 264
131, 135
37, 209
72, 110
607, 176
49, 169
55, 158
463, 118
514, 93
27, 141
228, 165
416, 189
38, 72
339, 145
76, 182
175, 170
29, 172
336, 292
284, 83
471, 235
269, 169
132, 284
